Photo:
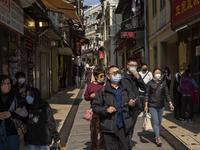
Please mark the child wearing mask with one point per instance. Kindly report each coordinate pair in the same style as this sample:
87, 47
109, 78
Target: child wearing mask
41, 126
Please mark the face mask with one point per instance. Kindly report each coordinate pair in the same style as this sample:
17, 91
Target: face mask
21, 80
131, 69
99, 81
29, 99
116, 78
144, 70
157, 76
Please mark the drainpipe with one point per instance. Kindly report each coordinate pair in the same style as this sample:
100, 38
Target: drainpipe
146, 50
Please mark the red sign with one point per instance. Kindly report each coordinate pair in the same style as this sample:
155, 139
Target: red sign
77, 49
183, 10
127, 35
28, 44
101, 54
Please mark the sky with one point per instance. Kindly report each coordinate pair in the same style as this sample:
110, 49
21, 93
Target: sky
90, 2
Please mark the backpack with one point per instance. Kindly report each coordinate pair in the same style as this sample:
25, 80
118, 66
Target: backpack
186, 85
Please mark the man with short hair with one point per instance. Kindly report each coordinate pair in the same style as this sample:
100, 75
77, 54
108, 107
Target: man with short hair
133, 77
147, 76
113, 103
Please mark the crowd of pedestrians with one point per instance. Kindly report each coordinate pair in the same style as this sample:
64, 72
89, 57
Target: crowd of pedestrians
118, 98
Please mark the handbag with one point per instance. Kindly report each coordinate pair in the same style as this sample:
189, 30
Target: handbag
147, 123
88, 114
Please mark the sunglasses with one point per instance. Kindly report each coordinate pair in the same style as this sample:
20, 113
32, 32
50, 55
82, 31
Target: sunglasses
102, 76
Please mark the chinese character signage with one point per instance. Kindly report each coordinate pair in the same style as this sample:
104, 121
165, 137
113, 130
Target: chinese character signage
12, 15
182, 10
127, 35
101, 54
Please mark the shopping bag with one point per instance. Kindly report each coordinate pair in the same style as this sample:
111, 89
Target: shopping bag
147, 123
58, 147
88, 114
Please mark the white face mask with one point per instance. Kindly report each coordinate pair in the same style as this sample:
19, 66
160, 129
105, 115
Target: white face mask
21, 80
157, 76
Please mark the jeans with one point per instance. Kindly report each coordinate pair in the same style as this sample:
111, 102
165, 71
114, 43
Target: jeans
14, 142
35, 147
4, 145
187, 100
156, 114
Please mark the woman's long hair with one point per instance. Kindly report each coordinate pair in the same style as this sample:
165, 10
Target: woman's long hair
2, 79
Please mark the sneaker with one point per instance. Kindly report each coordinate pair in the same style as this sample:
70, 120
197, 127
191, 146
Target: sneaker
158, 142
141, 114
183, 120
190, 120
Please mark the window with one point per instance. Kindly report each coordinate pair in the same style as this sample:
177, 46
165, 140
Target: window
154, 7
162, 4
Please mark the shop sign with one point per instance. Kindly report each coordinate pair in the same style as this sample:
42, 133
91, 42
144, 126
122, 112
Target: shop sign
101, 54
12, 15
183, 10
127, 35
197, 50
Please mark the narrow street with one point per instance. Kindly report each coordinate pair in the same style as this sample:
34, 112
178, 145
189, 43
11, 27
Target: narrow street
69, 106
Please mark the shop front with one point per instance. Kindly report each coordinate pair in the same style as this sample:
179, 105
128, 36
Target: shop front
187, 23
11, 31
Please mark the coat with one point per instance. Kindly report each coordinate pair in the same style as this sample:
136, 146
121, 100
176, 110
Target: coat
157, 100
106, 98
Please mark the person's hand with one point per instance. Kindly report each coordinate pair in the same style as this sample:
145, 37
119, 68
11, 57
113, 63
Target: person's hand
146, 109
92, 95
111, 110
58, 141
19, 109
5, 115
131, 103
22, 90
172, 107
136, 74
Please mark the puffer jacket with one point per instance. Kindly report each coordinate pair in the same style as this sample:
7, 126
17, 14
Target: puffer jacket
159, 97
106, 98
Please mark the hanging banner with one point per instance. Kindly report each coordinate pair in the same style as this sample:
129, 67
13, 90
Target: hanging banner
12, 15
77, 51
183, 10
101, 54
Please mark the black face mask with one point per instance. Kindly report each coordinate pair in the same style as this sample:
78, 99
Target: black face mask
144, 70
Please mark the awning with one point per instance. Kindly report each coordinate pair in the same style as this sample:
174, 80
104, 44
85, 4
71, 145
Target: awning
63, 7
65, 51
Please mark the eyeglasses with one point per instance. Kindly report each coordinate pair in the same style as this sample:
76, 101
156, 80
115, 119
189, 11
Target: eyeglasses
133, 65
4, 84
102, 76
116, 72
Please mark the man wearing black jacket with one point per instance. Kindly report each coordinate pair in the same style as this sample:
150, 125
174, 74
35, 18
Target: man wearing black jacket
113, 103
132, 76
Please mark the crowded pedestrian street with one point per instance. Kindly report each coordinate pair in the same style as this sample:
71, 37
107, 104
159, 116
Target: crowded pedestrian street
99, 74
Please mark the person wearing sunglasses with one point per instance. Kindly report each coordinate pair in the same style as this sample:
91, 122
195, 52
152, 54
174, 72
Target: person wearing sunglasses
133, 77
90, 92
113, 103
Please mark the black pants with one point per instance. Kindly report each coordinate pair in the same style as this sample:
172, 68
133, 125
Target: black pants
135, 116
177, 105
117, 141
142, 103
187, 100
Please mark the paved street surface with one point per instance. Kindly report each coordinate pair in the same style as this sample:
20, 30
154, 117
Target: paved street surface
77, 137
